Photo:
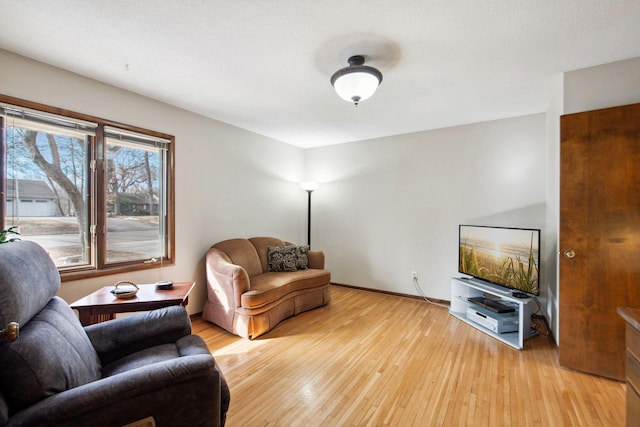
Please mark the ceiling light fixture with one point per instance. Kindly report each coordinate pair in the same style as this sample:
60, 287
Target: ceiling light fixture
356, 82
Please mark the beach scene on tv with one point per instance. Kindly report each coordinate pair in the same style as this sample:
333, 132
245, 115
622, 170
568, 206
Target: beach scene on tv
504, 256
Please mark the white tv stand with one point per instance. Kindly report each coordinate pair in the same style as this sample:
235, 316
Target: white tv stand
462, 289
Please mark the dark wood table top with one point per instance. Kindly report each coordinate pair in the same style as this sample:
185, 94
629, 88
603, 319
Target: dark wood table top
146, 294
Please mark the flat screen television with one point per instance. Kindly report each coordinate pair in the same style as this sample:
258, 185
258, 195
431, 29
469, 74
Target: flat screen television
506, 257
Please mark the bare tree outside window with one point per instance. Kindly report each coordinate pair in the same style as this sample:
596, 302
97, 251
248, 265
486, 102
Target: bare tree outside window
97, 195
133, 208
45, 162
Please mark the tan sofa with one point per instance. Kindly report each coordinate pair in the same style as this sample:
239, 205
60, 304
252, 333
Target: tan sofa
247, 298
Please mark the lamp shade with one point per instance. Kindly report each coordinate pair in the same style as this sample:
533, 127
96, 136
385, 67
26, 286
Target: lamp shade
356, 82
309, 186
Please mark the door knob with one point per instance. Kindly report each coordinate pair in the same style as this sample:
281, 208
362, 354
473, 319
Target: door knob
569, 253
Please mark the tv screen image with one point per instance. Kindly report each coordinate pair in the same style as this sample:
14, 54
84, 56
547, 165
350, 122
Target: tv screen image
508, 257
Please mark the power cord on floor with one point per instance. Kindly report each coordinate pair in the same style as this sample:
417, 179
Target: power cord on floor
417, 286
538, 321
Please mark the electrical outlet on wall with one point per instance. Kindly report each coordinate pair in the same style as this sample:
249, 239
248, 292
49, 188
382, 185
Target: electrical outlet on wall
414, 275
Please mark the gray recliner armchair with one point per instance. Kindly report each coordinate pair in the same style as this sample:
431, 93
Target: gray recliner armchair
147, 369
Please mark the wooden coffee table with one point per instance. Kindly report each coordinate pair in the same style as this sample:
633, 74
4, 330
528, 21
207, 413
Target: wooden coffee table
102, 305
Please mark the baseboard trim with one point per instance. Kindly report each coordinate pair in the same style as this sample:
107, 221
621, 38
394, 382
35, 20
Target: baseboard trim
395, 294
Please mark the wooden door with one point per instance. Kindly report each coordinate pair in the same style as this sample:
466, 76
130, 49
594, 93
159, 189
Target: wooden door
599, 236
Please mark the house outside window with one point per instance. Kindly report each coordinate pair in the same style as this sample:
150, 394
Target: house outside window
97, 195
35, 199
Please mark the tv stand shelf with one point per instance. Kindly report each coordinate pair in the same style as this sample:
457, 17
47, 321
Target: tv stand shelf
463, 289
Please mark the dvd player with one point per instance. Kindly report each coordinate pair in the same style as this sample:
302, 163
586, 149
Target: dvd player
500, 323
493, 305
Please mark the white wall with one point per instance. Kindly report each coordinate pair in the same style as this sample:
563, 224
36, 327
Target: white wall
386, 206
229, 182
390, 206
603, 86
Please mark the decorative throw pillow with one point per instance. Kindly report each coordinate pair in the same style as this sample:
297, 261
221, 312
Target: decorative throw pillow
282, 258
302, 255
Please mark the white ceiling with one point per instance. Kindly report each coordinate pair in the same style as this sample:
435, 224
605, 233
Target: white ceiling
265, 65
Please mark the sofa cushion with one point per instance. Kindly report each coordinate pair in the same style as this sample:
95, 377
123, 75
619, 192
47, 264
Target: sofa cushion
141, 358
186, 346
52, 354
242, 252
269, 287
261, 245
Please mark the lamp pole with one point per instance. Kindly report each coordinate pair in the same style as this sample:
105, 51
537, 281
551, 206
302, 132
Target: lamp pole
309, 217
309, 187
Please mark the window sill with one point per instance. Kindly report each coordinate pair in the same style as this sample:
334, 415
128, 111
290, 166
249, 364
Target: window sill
78, 274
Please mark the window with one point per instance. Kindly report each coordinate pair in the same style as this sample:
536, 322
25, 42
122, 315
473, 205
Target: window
103, 189
135, 203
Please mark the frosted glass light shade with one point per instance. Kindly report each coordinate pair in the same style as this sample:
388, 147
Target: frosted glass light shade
309, 186
356, 87
356, 82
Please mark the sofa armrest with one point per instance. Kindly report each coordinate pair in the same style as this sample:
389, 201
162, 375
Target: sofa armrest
119, 337
316, 259
152, 390
226, 281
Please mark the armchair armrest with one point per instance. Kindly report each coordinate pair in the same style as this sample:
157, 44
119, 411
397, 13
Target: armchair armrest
134, 395
316, 259
119, 337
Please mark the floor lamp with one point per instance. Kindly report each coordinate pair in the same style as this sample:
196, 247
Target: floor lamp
309, 187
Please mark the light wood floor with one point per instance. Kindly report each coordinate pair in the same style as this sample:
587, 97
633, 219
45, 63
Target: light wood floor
371, 359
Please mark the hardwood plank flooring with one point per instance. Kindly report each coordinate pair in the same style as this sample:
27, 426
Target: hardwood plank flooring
369, 359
